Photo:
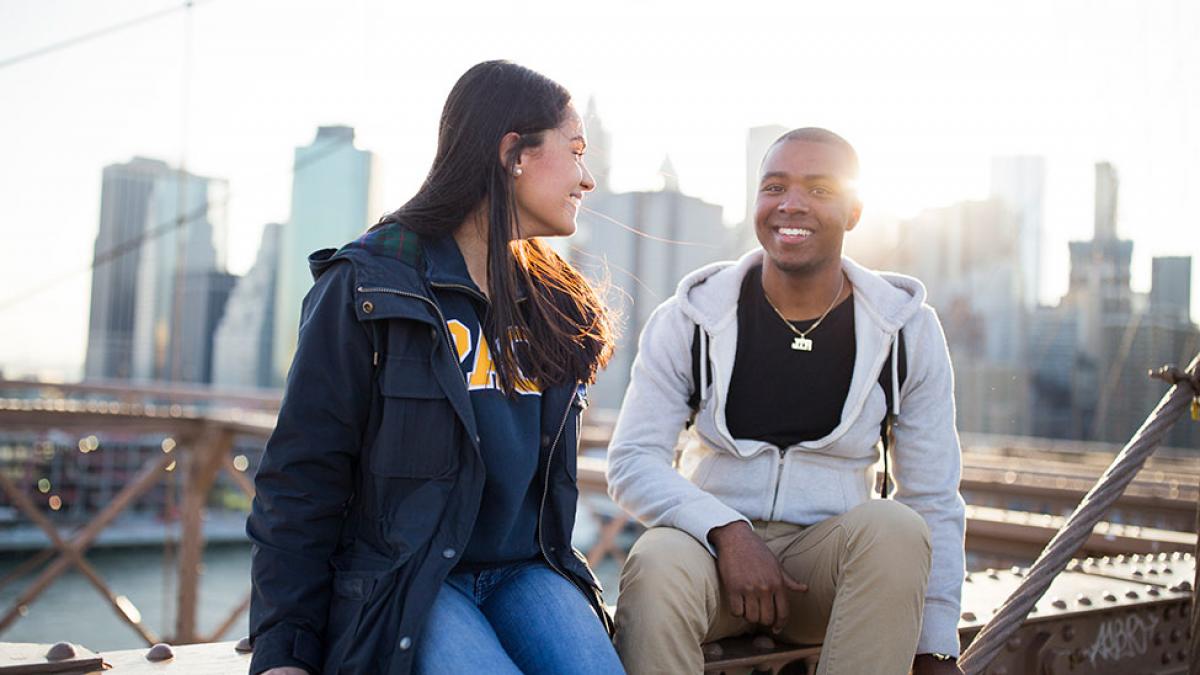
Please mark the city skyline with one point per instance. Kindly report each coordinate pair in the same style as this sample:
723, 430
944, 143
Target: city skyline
1127, 104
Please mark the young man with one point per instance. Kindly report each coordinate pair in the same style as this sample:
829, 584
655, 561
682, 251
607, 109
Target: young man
769, 523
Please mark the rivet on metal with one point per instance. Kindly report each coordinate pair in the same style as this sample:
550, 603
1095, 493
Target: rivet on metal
968, 616
763, 642
1166, 658
243, 646
1181, 655
712, 650
61, 651
1152, 590
1132, 595
1107, 561
1185, 585
1152, 570
160, 652
368, 307
1176, 634
1068, 633
1108, 595
993, 574
1167, 570
1059, 603
1083, 600
1017, 571
1137, 573
1157, 639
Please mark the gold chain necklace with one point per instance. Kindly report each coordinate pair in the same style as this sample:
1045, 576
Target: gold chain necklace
801, 342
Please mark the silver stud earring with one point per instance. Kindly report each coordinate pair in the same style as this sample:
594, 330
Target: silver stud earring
517, 171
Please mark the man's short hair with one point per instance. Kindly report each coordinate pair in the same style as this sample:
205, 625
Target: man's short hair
819, 135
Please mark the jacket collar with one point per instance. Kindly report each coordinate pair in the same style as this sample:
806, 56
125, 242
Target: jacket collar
444, 263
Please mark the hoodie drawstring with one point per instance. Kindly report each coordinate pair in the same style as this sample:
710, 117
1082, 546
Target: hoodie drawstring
703, 364
896, 376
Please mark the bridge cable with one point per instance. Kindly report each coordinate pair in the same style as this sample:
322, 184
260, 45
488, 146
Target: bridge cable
92, 35
1074, 533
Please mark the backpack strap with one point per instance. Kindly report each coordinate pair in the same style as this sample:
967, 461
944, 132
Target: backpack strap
694, 398
889, 416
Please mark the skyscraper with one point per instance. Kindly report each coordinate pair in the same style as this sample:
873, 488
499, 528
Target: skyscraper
242, 344
1019, 183
125, 196
333, 202
643, 243
1099, 283
1171, 287
175, 278
966, 254
758, 141
599, 150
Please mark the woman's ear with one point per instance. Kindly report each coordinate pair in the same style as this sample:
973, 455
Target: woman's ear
508, 147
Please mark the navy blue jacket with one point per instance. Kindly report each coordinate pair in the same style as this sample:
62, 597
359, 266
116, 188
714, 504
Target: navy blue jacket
370, 484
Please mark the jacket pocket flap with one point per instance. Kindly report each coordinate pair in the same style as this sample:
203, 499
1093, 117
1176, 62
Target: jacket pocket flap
405, 377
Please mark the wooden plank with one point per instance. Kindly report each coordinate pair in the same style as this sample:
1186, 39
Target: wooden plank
29, 658
218, 658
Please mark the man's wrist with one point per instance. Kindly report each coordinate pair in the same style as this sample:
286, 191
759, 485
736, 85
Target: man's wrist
724, 533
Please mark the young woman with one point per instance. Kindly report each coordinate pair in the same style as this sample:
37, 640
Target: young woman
416, 500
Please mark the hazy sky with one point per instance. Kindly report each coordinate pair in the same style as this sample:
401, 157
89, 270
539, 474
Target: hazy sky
927, 91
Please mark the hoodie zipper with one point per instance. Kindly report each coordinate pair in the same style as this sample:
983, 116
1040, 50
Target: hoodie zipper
778, 483
731, 445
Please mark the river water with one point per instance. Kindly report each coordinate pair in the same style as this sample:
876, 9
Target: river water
73, 610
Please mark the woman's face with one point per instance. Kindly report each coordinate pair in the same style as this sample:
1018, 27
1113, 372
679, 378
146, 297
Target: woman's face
552, 180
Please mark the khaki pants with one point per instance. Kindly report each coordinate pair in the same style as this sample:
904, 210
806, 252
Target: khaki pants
866, 572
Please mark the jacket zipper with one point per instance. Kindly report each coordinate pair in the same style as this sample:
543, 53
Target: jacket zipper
561, 425
461, 287
431, 303
546, 489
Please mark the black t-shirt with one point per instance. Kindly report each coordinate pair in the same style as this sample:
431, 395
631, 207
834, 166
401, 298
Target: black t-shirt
781, 395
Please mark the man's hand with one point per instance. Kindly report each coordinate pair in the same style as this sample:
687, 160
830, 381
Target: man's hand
925, 664
285, 670
755, 584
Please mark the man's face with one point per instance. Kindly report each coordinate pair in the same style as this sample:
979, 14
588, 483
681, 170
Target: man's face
806, 203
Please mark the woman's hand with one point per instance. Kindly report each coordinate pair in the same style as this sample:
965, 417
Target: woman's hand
286, 670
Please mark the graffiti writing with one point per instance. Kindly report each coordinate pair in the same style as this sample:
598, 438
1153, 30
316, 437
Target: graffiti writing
1122, 638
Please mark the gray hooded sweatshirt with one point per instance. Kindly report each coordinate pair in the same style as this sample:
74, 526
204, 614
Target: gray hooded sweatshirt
720, 479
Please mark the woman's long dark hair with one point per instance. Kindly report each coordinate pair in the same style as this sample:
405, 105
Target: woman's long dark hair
568, 330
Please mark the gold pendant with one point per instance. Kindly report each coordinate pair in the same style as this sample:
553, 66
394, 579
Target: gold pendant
802, 344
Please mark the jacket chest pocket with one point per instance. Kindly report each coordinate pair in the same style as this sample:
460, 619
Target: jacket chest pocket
419, 434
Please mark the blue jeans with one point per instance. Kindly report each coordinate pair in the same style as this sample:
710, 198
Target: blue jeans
521, 618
